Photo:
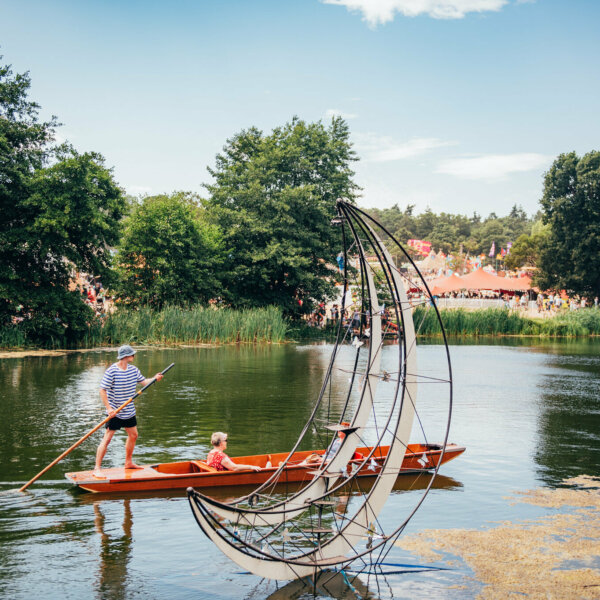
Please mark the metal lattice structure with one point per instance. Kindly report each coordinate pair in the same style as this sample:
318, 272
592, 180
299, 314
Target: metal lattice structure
333, 519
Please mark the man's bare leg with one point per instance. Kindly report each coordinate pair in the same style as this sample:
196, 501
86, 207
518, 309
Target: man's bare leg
101, 451
132, 434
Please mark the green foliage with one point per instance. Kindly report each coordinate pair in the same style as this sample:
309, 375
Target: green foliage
527, 249
169, 253
12, 336
174, 324
448, 232
273, 197
498, 321
570, 257
59, 210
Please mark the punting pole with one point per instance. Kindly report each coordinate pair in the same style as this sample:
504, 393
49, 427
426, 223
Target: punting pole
87, 435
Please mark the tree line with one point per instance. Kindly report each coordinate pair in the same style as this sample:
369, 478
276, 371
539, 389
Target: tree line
259, 236
454, 233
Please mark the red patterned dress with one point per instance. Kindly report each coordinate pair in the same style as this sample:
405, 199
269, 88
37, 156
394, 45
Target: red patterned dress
214, 459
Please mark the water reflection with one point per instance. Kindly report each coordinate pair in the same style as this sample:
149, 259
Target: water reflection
115, 554
329, 584
527, 411
569, 419
408, 482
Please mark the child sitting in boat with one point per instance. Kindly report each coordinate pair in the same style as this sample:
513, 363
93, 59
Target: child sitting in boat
318, 459
217, 459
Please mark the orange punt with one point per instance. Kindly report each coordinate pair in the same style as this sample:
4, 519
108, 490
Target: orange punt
197, 474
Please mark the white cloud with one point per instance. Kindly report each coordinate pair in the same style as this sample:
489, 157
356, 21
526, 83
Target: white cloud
493, 166
374, 148
138, 190
59, 138
377, 12
334, 112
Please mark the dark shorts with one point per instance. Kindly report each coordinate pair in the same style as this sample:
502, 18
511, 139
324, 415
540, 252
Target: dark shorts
116, 423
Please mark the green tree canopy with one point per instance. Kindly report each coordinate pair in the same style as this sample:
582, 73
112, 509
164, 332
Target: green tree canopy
60, 211
169, 253
570, 259
274, 197
447, 231
527, 249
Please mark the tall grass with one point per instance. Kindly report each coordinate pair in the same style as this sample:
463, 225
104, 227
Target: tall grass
499, 321
173, 324
11, 336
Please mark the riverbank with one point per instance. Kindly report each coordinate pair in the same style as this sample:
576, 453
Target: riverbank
169, 326
175, 326
554, 556
504, 322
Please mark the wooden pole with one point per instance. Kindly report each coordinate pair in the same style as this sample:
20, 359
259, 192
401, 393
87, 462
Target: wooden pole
93, 430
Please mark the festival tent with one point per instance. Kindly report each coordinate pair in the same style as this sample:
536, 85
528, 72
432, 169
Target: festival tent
516, 284
443, 285
482, 280
432, 262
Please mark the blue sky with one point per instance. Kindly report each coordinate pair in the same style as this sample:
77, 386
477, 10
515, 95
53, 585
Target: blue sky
456, 105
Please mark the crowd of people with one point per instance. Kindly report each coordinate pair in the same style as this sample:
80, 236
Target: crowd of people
553, 303
94, 294
546, 303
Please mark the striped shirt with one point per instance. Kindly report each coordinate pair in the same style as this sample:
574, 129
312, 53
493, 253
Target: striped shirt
120, 386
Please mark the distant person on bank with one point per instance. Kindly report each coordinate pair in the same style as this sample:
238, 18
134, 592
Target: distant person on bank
117, 386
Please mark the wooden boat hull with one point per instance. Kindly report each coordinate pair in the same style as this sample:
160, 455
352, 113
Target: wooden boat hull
194, 473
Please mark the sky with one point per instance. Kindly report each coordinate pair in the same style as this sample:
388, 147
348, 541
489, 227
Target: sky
454, 105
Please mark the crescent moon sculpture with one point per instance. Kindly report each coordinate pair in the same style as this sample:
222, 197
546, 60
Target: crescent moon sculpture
306, 532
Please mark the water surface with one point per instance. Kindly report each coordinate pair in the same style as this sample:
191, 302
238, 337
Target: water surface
528, 414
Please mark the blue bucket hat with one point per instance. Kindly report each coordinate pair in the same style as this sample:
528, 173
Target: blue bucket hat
124, 351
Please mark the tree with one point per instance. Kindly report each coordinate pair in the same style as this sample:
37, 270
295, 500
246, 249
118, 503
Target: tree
169, 253
443, 236
571, 206
526, 251
274, 197
491, 231
60, 211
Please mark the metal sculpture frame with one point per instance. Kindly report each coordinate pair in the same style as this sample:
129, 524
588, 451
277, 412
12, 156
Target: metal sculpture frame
261, 547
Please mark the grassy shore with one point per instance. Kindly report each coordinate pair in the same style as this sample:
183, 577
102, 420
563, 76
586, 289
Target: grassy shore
172, 325
459, 322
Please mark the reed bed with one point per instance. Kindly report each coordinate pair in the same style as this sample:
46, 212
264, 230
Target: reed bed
499, 321
173, 325
11, 336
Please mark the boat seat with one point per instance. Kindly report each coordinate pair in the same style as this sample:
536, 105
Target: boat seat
203, 466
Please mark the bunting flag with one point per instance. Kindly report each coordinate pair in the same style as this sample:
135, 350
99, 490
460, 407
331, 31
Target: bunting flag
492, 250
503, 252
508, 247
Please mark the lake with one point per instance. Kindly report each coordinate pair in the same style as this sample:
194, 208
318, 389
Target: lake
527, 411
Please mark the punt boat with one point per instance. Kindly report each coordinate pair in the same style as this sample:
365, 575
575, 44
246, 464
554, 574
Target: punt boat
197, 474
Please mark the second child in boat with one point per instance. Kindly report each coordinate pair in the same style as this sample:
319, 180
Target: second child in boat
317, 459
217, 459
